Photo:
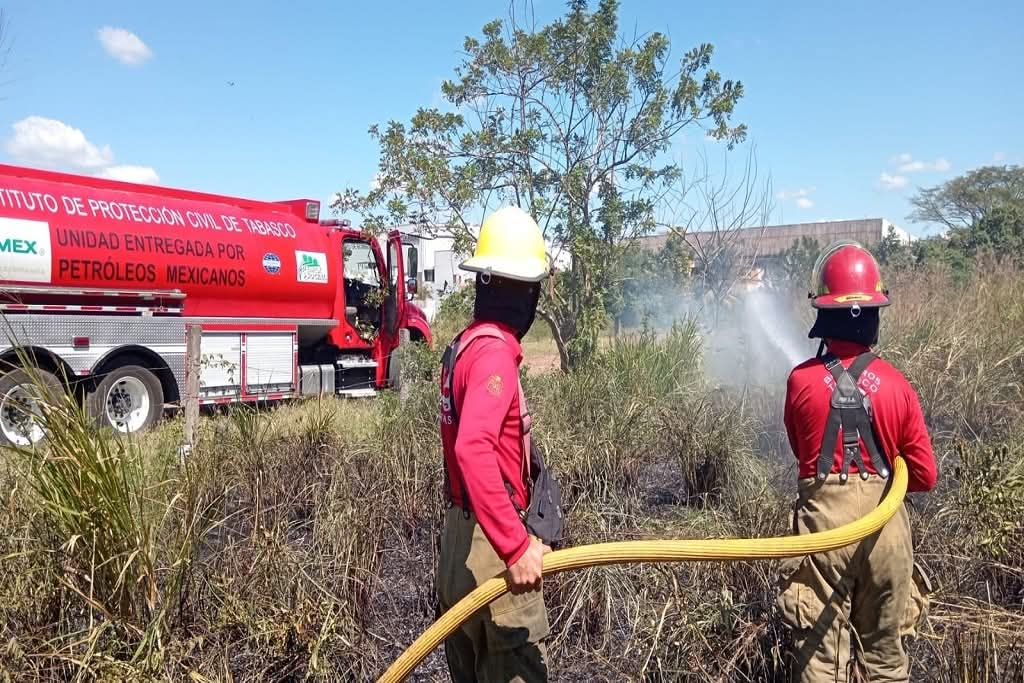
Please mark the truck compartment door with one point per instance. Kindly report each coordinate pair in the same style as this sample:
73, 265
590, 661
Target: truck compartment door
270, 362
220, 369
246, 365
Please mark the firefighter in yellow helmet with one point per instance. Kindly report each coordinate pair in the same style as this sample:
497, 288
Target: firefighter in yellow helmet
494, 477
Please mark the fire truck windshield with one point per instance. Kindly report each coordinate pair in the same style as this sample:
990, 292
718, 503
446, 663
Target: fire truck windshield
360, 263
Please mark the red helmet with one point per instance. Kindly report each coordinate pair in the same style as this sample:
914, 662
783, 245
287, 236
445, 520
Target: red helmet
847, 275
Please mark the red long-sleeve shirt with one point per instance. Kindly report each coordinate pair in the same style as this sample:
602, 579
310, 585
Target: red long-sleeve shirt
899, 421
485, 448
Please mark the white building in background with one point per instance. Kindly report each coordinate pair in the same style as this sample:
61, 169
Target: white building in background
446, 273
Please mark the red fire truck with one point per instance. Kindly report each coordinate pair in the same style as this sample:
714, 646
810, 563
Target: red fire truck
100, 280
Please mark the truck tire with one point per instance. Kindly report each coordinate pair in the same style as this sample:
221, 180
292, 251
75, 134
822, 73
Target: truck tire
128, 399
396, 374
19, 390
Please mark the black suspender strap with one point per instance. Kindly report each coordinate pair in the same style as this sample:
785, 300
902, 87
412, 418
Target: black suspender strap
448, 363
865, 423
851, 443
849, 412
826, 457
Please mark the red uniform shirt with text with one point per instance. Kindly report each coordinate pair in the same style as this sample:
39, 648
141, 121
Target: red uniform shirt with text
899, 422
485, 447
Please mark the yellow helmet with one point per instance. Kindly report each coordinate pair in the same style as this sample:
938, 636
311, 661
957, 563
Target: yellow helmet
510, 245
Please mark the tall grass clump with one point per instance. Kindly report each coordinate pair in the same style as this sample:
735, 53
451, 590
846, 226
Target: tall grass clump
95, 494
103, 519
598, 422
647, 447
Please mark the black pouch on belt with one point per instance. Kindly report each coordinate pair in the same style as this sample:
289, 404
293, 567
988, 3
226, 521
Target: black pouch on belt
543, 517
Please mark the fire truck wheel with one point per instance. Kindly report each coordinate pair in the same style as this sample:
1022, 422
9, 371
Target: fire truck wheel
20, 394
396, 376
128, 399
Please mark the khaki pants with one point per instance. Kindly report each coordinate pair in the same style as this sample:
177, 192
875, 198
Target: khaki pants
864, 593
505, 640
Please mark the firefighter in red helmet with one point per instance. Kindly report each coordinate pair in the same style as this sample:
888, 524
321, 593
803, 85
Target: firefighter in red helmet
847, 413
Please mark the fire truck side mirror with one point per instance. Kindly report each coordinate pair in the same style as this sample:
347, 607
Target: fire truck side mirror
413, 266
410, 286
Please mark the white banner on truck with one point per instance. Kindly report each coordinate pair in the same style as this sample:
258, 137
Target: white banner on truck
25, 250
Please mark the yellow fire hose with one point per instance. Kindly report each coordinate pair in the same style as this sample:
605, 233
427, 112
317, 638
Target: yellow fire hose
657, 551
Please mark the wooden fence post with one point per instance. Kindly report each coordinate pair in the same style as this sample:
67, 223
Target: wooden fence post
190, 401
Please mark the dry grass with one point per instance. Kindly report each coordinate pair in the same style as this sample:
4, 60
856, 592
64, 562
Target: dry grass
299, 543
962, 348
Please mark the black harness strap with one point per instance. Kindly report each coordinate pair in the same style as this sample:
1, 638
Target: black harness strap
865, 421
850, 411
826, 457
448, 363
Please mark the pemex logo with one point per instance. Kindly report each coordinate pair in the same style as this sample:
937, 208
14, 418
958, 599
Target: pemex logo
25, 250
311, 266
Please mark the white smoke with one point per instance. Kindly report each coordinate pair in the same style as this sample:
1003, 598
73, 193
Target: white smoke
773, 322
755, 338
756, 341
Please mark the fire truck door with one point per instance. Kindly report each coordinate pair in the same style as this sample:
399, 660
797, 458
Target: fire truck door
394, 305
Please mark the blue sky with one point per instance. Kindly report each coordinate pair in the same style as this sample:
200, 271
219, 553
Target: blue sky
851, 105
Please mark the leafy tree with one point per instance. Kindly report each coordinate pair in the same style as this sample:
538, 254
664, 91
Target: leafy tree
963, 201
651, 283
570, 121
983, 211
798, 260
634, 285
892, 250
675, 261
939, 250
998, 233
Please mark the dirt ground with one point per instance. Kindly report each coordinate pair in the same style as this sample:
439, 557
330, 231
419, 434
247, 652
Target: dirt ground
540, 355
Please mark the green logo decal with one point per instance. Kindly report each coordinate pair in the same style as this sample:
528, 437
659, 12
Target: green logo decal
15, 246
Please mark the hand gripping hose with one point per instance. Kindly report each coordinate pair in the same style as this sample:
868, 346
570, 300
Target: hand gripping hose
624, 552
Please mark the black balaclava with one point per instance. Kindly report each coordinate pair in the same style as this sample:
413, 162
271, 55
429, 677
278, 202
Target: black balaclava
511, 302
841, 323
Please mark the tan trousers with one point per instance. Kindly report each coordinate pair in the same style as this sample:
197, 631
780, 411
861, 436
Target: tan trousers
865, 593
504, 642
